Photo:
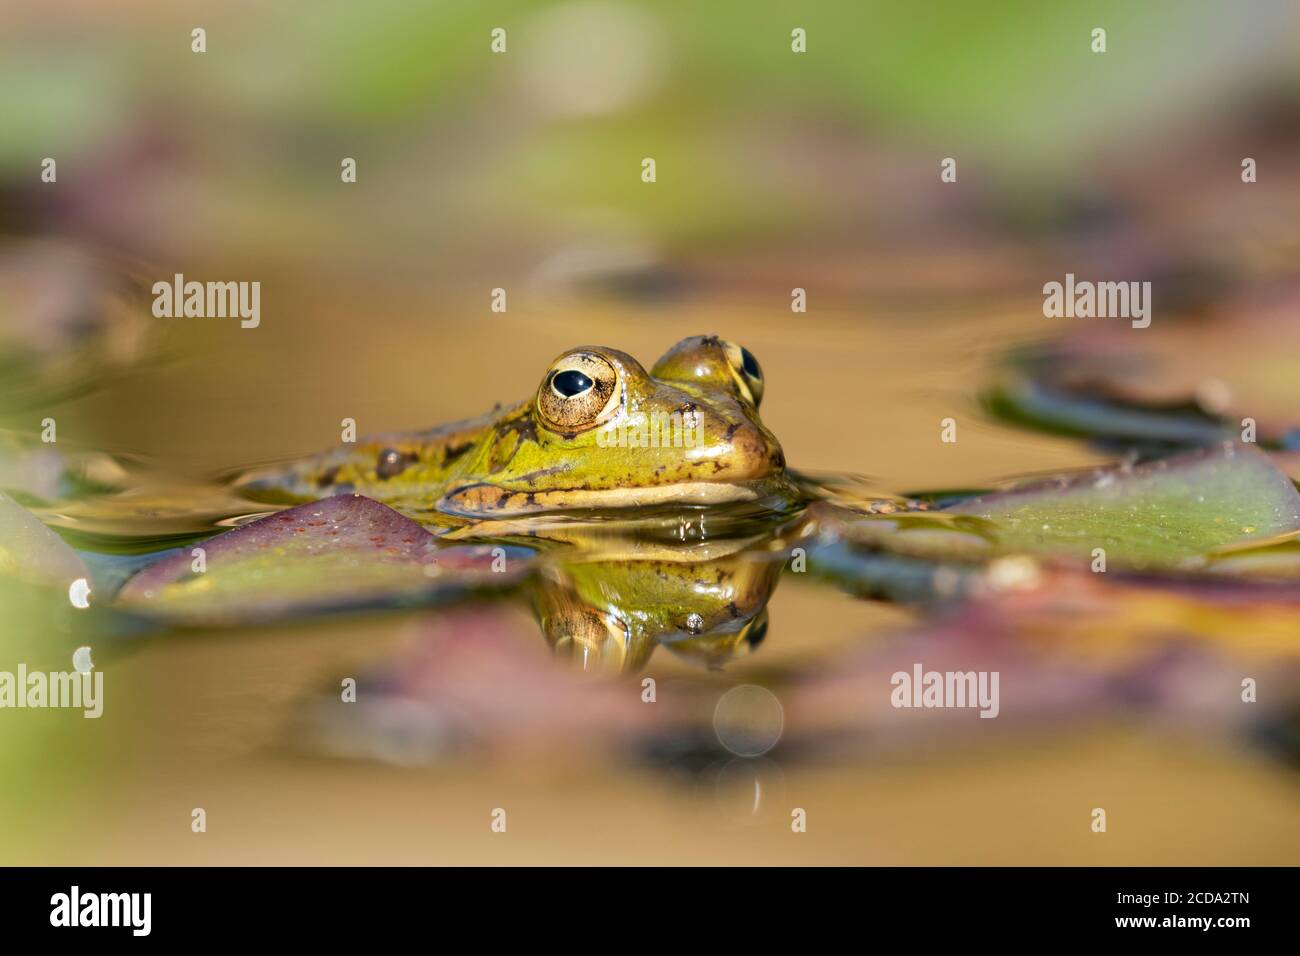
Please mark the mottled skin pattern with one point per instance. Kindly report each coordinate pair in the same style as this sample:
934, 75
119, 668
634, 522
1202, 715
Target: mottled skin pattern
514, 461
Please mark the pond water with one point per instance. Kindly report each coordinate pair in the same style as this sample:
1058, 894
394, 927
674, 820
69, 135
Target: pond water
385, 182
469, 709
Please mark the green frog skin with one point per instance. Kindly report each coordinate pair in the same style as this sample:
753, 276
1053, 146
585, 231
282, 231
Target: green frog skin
608, 608
579, 443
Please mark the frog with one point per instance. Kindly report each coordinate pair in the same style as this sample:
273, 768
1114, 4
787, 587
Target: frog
600, 433
608, 607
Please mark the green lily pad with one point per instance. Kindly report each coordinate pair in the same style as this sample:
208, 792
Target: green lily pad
344, 552
32, 552
1161, 513
1274, 559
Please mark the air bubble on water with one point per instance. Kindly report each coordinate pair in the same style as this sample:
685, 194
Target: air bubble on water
748, 720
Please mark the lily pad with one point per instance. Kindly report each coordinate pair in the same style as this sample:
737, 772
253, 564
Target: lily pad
1072, 646
32, 552
344, 552
1161, 513
1181, 382
1274, 559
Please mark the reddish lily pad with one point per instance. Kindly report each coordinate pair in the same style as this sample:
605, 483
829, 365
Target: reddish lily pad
1070, 646
348, 551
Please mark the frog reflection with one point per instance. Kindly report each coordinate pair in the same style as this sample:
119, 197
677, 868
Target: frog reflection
608, 612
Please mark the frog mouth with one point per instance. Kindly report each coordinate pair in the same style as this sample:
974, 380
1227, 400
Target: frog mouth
486, 500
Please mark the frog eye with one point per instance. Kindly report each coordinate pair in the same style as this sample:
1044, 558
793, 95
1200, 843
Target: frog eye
748, 373
580, 390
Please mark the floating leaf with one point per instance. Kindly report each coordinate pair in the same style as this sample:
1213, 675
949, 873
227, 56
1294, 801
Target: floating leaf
348, 551
1034, 404
1273, 559
1072, 646
1178, 382
33, 552
1159, 513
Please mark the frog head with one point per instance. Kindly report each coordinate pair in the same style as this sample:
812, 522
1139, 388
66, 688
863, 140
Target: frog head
601, 432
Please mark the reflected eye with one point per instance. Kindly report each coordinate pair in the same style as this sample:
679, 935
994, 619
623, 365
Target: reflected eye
757, 630
581, 390
749, 374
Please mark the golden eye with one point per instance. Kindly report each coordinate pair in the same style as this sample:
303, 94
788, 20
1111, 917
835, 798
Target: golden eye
580, 391
748, 373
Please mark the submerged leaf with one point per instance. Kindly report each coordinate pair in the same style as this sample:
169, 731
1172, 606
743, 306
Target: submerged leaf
348, 551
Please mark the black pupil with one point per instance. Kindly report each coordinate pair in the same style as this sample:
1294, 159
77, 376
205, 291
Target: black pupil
750, 363
570, 382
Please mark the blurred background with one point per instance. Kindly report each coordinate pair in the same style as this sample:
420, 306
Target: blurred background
521, 170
